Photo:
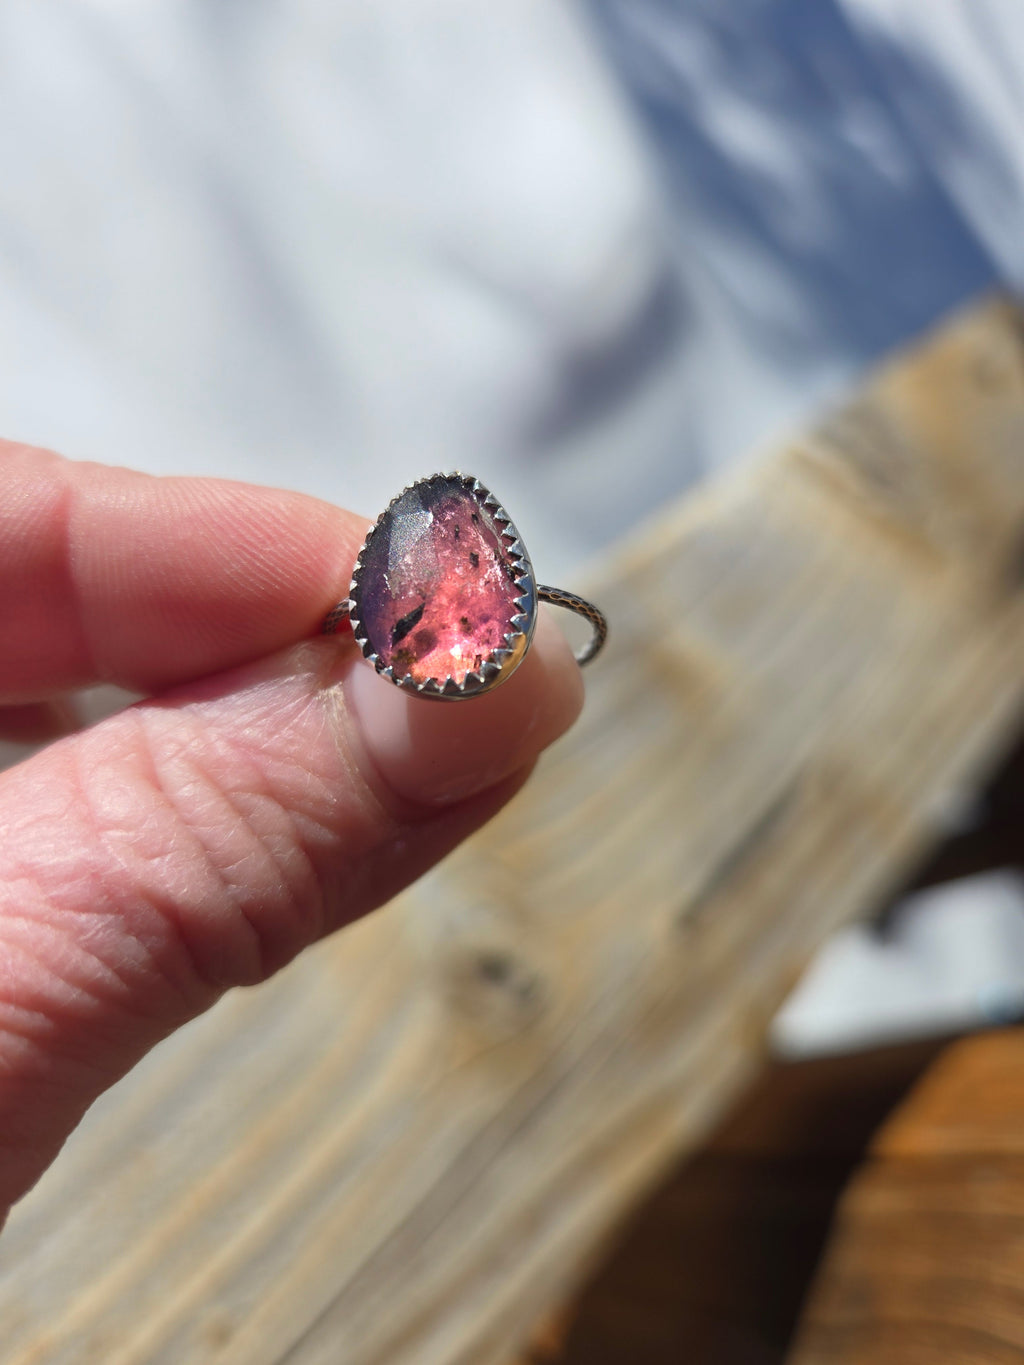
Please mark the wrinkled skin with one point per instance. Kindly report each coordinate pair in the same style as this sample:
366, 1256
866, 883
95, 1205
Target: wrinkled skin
265, 793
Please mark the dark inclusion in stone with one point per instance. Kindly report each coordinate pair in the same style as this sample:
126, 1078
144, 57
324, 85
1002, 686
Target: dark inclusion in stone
437, 589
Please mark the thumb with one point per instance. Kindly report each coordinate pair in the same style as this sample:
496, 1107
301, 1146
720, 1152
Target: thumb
199, 840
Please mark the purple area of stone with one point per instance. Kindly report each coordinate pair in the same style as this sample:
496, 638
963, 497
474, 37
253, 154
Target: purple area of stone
437, 587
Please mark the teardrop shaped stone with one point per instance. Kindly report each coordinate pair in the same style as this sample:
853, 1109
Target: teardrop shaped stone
436, 590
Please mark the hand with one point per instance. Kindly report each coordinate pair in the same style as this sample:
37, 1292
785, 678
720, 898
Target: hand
265, 794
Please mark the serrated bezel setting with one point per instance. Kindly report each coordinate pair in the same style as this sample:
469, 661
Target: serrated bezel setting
501, 663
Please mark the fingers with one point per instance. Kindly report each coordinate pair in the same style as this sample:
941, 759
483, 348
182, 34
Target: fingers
200, 840
109, 575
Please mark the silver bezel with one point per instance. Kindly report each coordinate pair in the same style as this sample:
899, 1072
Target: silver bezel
501, 663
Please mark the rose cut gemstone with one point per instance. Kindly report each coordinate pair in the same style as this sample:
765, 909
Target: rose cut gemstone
439, 585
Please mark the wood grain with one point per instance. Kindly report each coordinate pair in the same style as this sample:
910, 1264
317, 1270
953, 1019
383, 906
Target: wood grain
412, 1144
715, 1266
926, 1262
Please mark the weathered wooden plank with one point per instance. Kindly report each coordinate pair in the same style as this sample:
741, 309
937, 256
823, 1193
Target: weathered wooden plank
409, 1146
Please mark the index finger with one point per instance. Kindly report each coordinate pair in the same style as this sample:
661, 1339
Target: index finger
108, 575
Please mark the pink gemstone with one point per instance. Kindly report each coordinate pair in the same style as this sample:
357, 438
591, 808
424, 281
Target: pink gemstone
436, 590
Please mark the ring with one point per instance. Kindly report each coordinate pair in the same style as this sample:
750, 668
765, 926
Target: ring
443, 601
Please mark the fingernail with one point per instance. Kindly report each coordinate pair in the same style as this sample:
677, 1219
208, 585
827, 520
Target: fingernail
435, 753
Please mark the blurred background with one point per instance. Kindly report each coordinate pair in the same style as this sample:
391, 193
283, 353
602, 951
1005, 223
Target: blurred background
591, 252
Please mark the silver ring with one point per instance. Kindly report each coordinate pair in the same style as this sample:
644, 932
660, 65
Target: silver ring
443, 601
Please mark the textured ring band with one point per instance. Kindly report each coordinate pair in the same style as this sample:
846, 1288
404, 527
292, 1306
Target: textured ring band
443, 601
558, 597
